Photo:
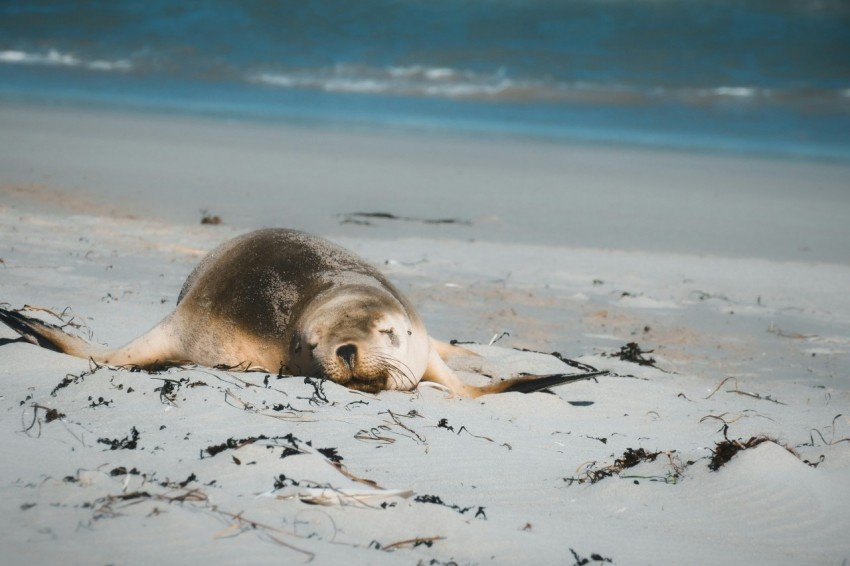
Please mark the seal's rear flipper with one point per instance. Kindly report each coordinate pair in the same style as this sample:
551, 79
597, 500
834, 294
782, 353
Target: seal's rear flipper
50, 336
32, 330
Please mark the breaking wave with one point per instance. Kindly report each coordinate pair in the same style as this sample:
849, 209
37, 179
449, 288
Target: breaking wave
56, 58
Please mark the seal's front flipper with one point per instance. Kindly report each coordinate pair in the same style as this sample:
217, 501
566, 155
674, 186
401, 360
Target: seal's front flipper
438, 372
532, 383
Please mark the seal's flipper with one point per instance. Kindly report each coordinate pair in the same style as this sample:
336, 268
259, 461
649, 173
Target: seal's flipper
44, 334
532, 383
438, 372
148, 351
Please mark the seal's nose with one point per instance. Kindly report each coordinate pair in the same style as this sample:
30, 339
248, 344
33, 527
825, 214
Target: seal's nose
347, 353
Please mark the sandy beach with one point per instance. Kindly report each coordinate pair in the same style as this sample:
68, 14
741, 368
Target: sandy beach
722, 435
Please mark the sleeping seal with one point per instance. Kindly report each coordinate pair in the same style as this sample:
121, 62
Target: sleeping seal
284, 301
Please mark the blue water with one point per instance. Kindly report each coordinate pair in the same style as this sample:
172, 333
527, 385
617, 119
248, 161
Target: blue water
765, 76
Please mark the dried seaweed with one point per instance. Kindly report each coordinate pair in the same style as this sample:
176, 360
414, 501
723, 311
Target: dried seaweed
363, 219
208, 218
572, 363
594, 557
396, 418
50, 415
318, 398
70, 379
725, 449
630, 458
832, 440
130, 442
436, 500
631, 352
444, 423
231, 444
122, 471
331, 454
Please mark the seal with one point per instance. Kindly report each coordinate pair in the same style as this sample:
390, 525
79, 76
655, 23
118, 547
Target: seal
284, 301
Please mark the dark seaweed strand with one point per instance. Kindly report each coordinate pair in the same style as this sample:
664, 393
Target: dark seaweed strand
569, 362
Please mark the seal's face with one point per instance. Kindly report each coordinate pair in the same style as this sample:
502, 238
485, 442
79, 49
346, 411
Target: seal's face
358, 339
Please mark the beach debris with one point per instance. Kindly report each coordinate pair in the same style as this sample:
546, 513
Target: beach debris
100, 402
179, 484
630, 458
318, 398
379, 433
832, 440
331, 496
594, 558
773, 329
50, 415
740, 392
436, 500
364, 219
444, 423
211, 219
704, 296
231, 444
412, 543
572, 363
497, 337
631, 352
130, 442
122, 471
725, 449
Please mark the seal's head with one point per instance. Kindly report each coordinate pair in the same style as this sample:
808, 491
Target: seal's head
357, 336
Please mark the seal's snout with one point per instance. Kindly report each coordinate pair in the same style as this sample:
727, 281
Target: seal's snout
348, 354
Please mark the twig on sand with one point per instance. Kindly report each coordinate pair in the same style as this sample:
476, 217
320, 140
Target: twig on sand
727, 420
413, 543
747, 393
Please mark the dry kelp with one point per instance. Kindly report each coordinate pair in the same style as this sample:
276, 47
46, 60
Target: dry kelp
630, 458
631, 352
129, 442
365, 218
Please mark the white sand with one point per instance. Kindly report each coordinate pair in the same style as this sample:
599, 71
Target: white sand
777, 321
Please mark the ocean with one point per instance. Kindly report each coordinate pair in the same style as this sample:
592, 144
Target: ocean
754, 76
